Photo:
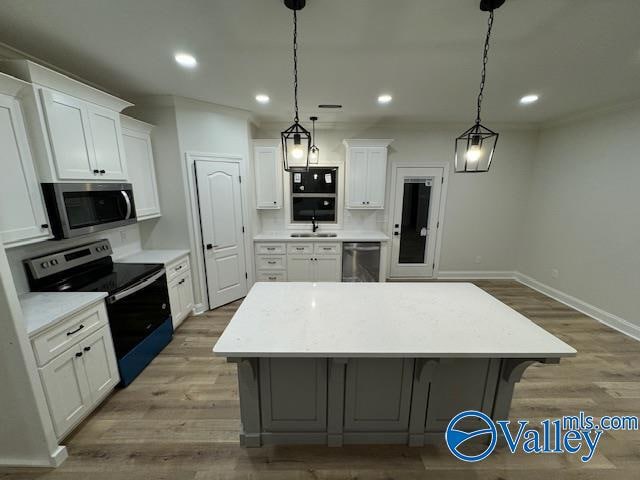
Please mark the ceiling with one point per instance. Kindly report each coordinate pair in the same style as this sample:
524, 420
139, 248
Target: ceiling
576, 54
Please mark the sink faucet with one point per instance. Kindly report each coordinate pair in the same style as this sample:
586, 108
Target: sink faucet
314, 224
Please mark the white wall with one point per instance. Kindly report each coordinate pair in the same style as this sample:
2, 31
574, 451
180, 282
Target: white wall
26, 432
483, 212
583, 214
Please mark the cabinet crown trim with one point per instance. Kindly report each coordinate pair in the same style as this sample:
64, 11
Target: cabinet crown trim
10, 85
361, 142
135, 125
45, 77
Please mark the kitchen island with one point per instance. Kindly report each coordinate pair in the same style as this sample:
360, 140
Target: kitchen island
338, 363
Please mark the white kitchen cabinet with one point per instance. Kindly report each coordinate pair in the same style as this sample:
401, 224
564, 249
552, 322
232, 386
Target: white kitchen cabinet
327, 268
180, 290
106, 134
77, 365
68, 128
22, 213
366, 173
300, 268
65, 384
74, 129
303, 262
99, 364
268, 174
136, 137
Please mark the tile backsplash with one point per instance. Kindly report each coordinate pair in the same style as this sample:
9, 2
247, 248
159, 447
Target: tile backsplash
124, 241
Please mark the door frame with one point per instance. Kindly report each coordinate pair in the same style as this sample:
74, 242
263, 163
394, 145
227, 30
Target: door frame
196, 237
391, 200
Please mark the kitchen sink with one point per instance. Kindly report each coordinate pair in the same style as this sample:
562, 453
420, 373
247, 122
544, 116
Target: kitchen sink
314, 235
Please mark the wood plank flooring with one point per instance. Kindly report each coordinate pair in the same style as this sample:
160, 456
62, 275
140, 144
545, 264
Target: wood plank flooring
179, 420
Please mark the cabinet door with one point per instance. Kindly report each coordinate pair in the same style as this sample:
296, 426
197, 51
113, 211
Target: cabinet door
142, 173
107, 143
299, 268
376, 176
174, 300
65, 385
69, 136
268, 178
100, 363
21, 207
327, 268
185, 292
357, 178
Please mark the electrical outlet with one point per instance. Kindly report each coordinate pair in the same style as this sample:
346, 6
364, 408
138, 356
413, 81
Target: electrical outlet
478, 259
123, 235
555, 273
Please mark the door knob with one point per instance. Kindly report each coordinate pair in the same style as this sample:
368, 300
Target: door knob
209, 246
96, 171
396, 233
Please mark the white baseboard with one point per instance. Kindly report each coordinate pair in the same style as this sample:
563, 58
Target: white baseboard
609, 319
479, 275
56, 458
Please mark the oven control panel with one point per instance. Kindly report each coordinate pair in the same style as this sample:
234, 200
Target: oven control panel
56, 262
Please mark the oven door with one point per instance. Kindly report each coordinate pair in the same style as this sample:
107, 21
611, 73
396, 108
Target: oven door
136, 312
80, 208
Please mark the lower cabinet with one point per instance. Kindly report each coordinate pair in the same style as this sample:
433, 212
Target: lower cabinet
180, 290
79, 378
302, 262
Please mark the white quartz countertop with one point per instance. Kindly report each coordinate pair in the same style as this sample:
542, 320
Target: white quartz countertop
382, 320
154, 256
44, 309
342, 236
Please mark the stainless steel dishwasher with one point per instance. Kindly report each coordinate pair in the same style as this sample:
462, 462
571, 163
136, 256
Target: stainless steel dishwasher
361, 262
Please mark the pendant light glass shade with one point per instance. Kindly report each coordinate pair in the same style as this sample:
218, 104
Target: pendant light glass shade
314, 151
475, 147
296, 140
296, 144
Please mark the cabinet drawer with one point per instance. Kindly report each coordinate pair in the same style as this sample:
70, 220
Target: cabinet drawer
177, 268
272, 276
266, 262
270, 248
56, 340
327, 248
300, 248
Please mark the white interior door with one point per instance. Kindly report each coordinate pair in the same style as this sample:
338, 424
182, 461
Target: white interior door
220, 202
415, 221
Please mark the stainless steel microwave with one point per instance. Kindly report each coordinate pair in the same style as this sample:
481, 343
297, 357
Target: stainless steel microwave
80, 208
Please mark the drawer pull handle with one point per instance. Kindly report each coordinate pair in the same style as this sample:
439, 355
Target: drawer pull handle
272, 278
326, 248
79, 354
271, 263
299, 248
181, 282
86, 349
179, 268
72, 332
271, 248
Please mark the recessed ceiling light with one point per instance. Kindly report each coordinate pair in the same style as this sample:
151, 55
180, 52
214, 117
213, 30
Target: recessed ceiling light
384, 98
186, 60
527, 99
262, 98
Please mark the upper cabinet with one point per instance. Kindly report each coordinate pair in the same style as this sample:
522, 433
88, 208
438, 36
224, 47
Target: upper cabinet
366, 173
268, 173
74, 129
22, 214
136, 137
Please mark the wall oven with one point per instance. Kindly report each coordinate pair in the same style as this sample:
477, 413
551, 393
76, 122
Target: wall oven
79, 208
313, 195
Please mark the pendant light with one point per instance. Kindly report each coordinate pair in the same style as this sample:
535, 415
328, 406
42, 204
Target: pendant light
475, 147
314, 151
296, 140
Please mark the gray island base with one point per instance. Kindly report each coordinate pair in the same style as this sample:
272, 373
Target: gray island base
375, 363
337, 401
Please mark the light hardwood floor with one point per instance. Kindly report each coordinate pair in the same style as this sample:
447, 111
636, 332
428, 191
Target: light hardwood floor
180, 418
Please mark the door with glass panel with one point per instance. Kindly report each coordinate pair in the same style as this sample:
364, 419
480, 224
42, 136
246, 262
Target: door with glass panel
415, 221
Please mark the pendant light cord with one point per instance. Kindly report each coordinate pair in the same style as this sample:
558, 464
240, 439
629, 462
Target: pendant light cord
485, 57
295, 63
